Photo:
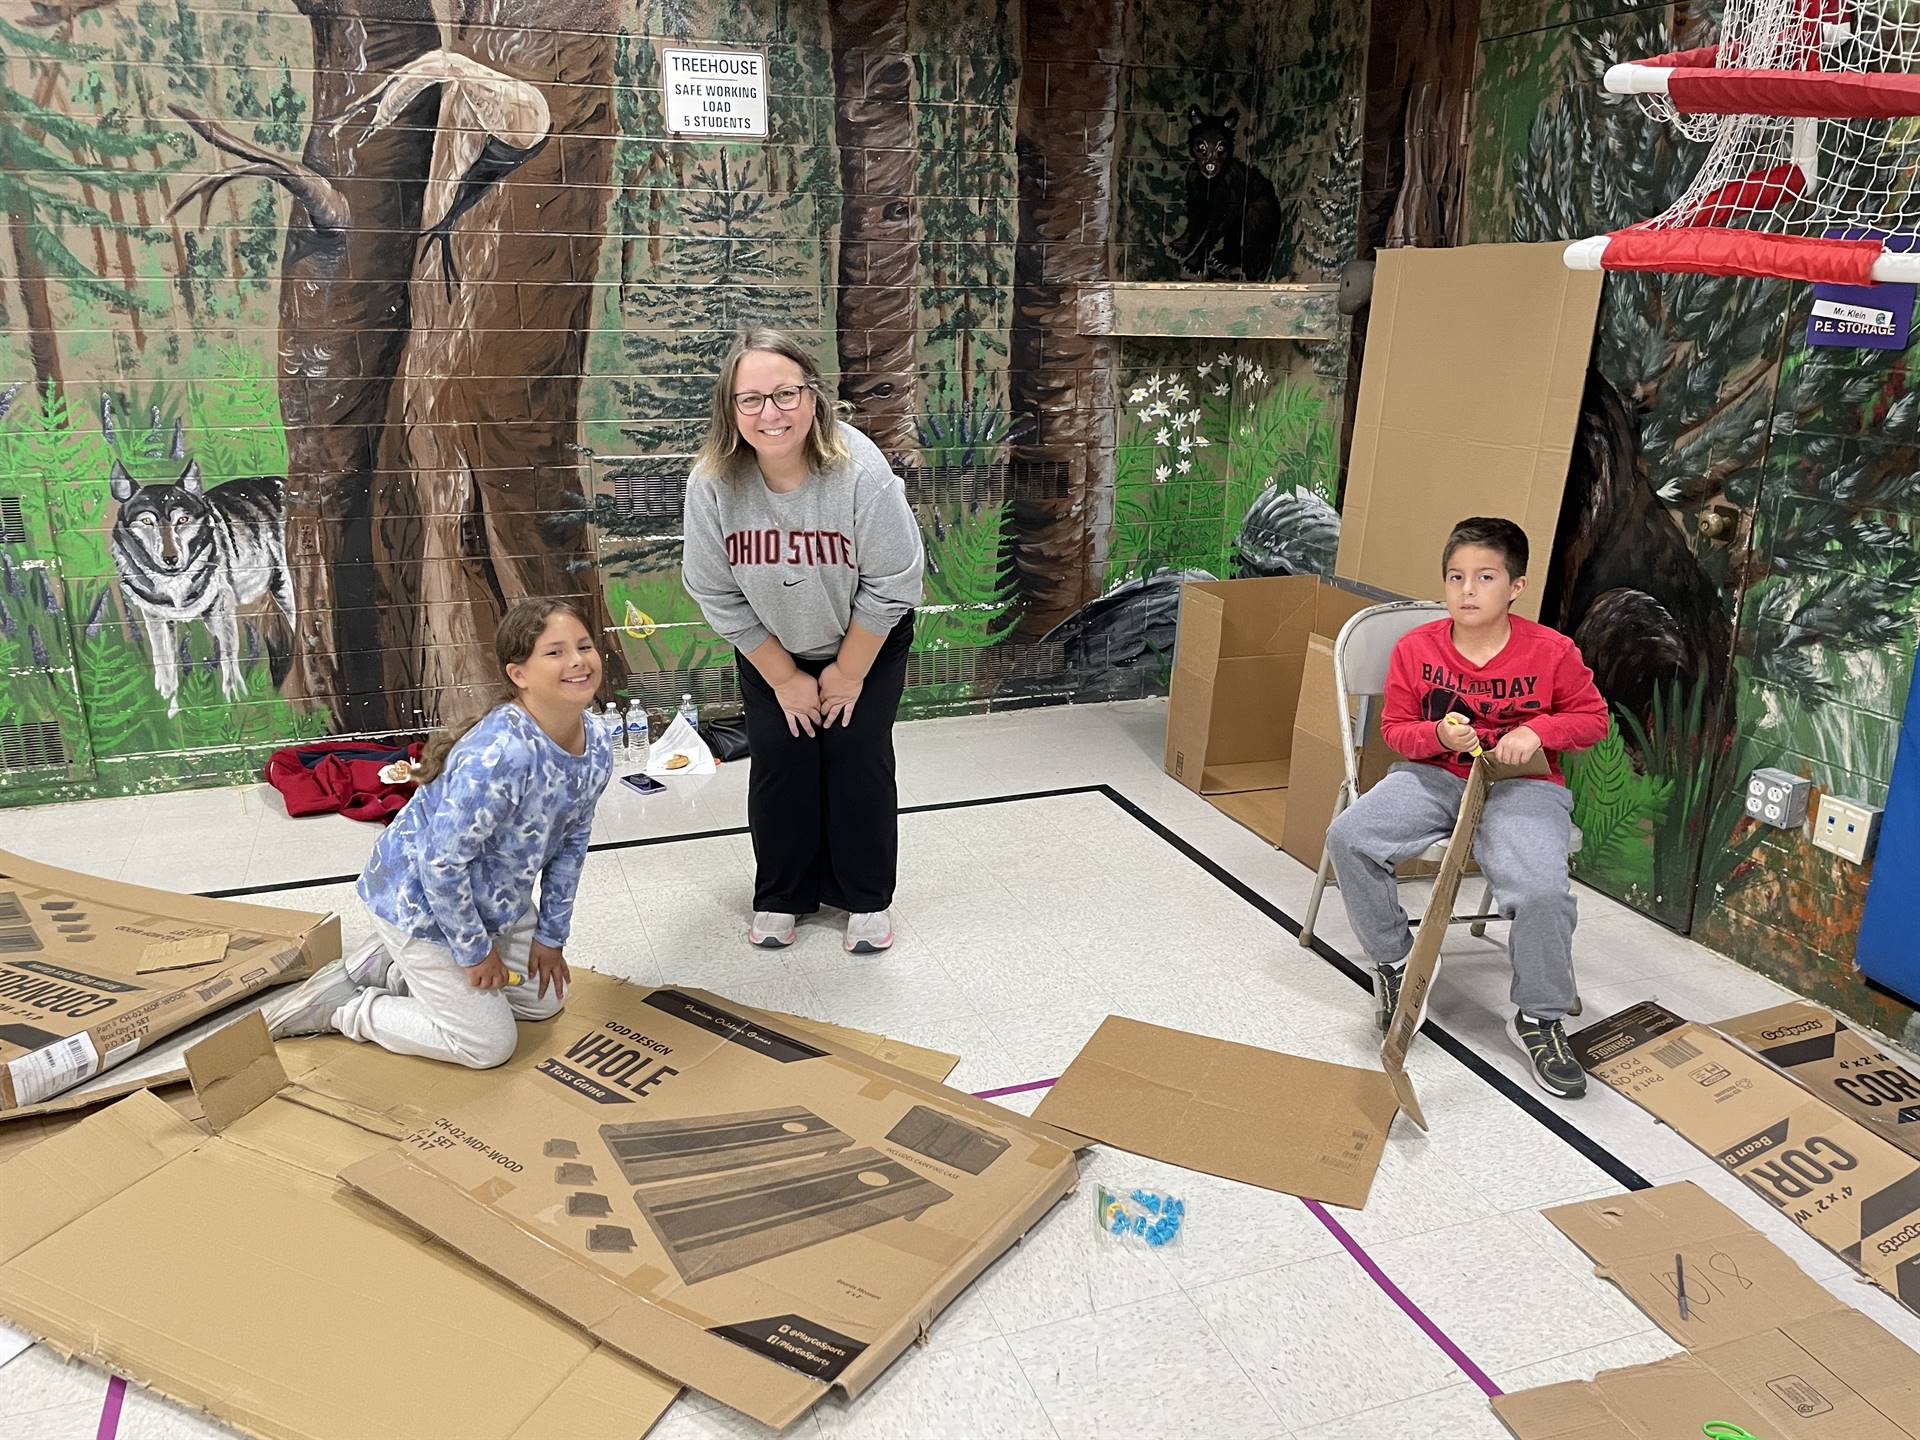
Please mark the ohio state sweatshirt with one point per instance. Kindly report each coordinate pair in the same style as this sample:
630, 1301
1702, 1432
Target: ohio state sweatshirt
1539, 680
802, 566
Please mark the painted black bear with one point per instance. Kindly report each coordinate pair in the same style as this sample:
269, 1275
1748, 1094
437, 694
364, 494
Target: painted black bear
1233, 215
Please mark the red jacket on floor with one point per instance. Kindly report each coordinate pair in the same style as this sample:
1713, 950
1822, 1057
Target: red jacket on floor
341, 777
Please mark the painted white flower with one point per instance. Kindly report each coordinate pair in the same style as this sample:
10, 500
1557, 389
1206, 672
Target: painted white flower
1206, 369
1162, 435
1223, 388
1177, 393
1158, 409
1146, 416
1186, 443
1161, 473
1202, 441
1259, 374
1137, 395
1223, 357
1154, 382
1184, 466
1242, 364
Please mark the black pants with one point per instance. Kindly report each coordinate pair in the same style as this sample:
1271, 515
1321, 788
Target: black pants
823, 808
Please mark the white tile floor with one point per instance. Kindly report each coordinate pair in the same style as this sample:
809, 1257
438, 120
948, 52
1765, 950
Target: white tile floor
1022, 923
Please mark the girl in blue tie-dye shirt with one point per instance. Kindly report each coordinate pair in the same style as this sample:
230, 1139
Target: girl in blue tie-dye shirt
463, 952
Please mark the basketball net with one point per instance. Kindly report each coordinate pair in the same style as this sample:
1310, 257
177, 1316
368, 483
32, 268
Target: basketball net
1808, 110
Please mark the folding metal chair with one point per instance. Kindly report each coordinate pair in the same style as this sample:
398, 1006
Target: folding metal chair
1361, 653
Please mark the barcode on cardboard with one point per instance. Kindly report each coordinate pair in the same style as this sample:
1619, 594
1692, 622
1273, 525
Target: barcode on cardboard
17, 936
1676, 1052
53, 1068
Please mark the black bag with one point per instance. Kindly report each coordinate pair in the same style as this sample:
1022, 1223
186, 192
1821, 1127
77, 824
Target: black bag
727, 738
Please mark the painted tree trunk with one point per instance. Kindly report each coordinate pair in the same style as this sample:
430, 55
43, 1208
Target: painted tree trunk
482, 495
343, 327
1061, 382
36, 306
880, 225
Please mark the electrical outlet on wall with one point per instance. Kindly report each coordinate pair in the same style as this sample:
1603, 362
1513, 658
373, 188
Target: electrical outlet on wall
1847, 828
1777, 797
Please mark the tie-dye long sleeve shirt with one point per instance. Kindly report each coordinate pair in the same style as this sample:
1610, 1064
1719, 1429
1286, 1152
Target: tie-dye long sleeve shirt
457, 865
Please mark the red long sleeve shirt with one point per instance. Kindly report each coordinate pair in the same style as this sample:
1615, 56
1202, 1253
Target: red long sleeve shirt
1539, 680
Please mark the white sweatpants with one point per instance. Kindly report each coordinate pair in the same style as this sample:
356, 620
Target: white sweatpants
433, 1009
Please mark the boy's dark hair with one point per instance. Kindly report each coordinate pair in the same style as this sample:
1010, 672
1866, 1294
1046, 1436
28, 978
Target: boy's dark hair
1491, 533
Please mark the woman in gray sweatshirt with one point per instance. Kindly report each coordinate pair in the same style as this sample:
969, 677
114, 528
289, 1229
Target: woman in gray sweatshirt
802, 551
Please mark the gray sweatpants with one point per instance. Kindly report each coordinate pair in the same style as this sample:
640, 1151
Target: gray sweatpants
1521, 846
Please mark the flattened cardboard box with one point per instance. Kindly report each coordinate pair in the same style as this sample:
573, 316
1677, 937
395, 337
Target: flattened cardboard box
737, 1204
1854, 1192
1469, 395
73, 1000
1305, 1127
234, 1273
1829, 1058
1771, 1350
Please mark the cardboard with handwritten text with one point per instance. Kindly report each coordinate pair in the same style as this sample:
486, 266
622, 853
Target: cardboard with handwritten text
1853, 1191
742, 1205
1766, 1347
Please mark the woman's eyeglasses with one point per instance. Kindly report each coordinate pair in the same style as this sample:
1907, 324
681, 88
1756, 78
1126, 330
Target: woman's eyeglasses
787, 397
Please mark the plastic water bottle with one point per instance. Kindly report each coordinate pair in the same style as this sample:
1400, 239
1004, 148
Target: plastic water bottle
639, 735
611, 718
689, 711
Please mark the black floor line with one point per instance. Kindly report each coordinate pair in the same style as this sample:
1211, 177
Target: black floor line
1505, 1085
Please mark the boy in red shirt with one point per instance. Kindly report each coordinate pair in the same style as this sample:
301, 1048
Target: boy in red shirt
1522, 688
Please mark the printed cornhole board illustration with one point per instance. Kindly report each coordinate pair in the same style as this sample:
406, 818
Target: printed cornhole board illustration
93, 971
1423, 961
741, 1204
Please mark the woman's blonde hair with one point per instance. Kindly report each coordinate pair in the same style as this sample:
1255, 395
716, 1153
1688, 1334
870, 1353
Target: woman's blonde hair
520, 630
726, 451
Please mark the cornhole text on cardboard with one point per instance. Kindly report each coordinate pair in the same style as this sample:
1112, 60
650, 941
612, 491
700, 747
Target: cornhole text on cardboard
1854, 1192
1829, 1058
739, 1207
74, 998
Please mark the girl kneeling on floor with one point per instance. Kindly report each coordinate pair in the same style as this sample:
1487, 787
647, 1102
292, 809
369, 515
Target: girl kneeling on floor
462, 952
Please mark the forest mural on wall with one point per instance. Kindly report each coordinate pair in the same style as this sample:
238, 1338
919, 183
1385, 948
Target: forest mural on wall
334, 326
1738, 553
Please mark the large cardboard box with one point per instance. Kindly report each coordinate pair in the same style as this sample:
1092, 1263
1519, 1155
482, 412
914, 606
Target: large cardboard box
1829, 1058
1854, 1192
232, 1272
1317, 767
1238, 676
1770, 1350
745, 1208
93, 971
1469, 395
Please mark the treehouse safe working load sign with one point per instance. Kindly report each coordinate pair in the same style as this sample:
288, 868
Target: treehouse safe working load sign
715, 92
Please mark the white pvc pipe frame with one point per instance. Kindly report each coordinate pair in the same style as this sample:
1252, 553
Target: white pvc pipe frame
1893, 267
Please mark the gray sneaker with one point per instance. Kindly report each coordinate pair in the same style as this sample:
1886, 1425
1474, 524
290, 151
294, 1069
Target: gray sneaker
372, 968
1544, 1042
771, 929
309, 1008
869, 933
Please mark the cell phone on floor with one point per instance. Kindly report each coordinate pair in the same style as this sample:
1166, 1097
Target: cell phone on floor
643, 782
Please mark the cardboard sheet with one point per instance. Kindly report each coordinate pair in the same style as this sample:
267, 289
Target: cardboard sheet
1828, 1058
1469, 394
74, 998
1853, 1191
1304, 1127
234, 1273
742, 1204
1769, 1349
1423, 961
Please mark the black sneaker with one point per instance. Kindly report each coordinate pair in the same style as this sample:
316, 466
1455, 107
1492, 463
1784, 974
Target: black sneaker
1386, 992
1544, 1042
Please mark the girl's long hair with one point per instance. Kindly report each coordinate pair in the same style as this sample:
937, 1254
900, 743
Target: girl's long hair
520, 630
725, 451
